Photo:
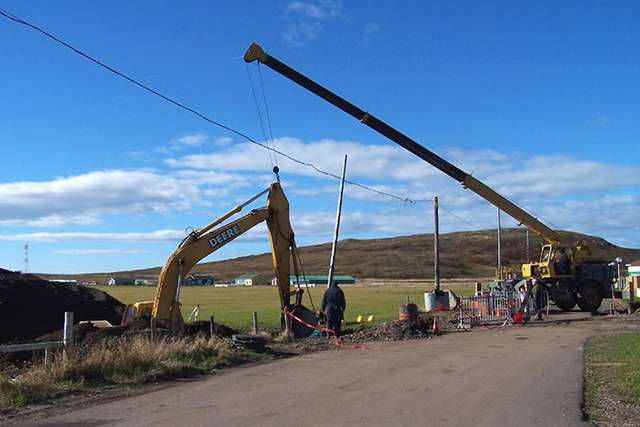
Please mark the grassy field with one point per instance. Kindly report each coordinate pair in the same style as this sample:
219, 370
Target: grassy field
612, 376
233, 306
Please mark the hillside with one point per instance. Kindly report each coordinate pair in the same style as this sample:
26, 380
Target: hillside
463, 254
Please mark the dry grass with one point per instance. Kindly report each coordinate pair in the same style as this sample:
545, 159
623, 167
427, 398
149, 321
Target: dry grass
119, 361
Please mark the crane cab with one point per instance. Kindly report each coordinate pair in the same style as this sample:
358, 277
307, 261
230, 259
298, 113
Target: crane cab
550, 265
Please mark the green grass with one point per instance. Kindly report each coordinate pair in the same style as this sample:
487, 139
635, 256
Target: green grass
612, 367
233, 306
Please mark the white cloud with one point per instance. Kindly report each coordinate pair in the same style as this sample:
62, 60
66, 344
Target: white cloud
100, 251
322, 9
85, 199
223, 141
185, 141
159, 236
373, 161
573, 193
193, 140
369, 30
516, 177
305, 19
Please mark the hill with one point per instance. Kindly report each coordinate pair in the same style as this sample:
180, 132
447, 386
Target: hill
463, 255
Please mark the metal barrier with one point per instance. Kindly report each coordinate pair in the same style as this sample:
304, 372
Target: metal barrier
497, 308
65, 344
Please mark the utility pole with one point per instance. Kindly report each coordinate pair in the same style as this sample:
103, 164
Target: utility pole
499, 247
436, 246
337, 228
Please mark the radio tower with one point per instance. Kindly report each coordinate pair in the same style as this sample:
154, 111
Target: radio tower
26, 259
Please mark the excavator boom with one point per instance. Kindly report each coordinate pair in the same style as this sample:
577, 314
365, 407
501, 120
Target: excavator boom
256, 53
203, 242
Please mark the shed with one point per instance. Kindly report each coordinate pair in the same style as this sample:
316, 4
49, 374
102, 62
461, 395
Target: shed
122, 281
251, 279
198, 280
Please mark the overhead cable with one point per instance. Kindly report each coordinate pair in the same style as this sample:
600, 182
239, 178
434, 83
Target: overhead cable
179, 104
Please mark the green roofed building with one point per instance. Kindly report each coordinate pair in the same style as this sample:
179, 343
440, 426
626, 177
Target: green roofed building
316, 280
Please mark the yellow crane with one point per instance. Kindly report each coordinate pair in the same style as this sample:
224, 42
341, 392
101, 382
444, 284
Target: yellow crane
573, 272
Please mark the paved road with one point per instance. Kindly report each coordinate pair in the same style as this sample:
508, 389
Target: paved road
480, 378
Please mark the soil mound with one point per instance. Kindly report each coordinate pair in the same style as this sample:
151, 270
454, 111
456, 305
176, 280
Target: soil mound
396, 330
203, 327
31, 307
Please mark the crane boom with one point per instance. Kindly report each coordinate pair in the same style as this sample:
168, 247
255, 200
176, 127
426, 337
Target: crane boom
256, 53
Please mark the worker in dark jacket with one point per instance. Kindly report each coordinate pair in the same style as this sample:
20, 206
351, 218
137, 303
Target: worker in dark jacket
539, 297
333, 306
562, 262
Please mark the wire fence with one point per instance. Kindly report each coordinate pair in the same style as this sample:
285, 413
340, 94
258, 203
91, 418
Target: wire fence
506, 308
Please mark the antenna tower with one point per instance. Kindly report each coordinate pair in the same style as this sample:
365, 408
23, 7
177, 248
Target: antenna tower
25, 270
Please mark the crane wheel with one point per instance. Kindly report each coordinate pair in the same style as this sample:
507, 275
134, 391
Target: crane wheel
590, 296
566, 305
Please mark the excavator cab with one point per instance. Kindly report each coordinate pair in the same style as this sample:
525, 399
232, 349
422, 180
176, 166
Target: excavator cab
136, 311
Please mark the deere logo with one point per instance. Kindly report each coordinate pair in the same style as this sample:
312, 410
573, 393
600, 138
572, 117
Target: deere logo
224, 236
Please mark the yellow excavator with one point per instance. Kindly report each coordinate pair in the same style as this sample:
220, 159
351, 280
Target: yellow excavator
166, 308
573, 272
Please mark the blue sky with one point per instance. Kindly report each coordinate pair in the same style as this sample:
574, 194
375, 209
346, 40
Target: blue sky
539, 99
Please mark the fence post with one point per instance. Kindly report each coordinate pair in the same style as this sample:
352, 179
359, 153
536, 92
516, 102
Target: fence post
67, 337
254, 318
46, 356
211, 327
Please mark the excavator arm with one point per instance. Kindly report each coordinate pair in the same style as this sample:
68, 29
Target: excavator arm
202, 242
256, 53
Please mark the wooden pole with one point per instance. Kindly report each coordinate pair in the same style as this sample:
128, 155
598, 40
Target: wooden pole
254, 321
436, 245
67, 334
499, 246
337, 227
211, 326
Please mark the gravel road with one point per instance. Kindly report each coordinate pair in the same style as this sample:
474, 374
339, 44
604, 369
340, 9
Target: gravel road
513, 376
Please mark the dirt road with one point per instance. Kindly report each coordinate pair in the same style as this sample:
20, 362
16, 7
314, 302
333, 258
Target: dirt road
480, 378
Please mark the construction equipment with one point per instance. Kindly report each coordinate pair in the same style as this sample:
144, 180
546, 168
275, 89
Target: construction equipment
584, 277
165, 309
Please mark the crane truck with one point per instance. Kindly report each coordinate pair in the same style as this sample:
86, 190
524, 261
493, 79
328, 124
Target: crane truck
198, 244
584, 278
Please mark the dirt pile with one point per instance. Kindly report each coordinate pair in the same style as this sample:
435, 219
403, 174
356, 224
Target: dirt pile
203, 327
396, 330
31, 307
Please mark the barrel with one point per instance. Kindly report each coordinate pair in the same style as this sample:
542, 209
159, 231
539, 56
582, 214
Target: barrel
409, 312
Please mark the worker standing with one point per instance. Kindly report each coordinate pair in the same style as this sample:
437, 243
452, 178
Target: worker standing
538, 297
333, 306
562, 262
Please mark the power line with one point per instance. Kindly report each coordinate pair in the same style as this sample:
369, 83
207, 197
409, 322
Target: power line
214, 122
179, 104
458, 216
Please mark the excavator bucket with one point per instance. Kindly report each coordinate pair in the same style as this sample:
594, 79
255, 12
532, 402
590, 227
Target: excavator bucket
304, 322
